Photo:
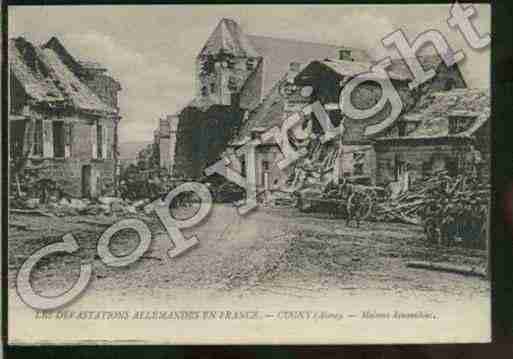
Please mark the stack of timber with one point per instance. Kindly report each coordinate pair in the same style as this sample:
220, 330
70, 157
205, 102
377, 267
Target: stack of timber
449, 208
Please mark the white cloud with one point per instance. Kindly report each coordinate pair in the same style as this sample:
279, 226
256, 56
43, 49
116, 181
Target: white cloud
150, 89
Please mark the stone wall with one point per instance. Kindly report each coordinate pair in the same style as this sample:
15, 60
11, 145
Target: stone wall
81, 151
221, 76
201, 137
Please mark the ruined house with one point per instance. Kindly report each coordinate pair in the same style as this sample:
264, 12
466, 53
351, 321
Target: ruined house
354, 155
447, 131
63, 117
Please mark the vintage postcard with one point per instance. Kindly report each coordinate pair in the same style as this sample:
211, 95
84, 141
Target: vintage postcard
214, 174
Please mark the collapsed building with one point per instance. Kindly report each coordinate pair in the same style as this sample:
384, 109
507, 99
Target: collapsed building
63, 118
360, 154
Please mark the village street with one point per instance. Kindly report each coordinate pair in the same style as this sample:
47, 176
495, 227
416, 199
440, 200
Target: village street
273, 251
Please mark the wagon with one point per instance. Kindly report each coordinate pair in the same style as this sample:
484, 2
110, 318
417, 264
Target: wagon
348, 200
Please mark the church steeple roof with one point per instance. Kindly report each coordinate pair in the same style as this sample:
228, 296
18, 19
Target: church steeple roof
229, 38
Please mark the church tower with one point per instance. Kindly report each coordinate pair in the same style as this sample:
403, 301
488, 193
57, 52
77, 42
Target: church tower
225, 64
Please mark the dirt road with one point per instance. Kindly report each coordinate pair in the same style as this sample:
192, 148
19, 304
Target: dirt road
277, 251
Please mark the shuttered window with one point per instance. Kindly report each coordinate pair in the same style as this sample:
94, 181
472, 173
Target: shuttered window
58, 139
99, 140
38, 138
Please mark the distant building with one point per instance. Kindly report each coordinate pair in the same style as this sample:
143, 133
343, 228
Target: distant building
63, 117
165, 139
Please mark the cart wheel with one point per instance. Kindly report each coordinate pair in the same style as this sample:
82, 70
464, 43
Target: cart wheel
359, 205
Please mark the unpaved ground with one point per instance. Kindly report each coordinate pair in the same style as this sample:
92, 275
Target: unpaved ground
278, 252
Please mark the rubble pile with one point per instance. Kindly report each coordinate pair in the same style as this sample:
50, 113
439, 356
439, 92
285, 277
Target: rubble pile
451, 209
65, 207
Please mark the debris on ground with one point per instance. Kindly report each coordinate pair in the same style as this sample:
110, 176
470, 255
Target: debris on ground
30, 211
69, 207
283, 199
451, 209
32, 203
273, 246
448, 267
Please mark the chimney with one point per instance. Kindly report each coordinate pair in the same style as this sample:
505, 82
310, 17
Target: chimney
345, 54
294, 68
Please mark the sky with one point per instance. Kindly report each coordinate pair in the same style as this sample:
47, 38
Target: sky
151, 50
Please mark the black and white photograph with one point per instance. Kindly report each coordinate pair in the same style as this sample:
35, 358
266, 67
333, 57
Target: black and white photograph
249, 174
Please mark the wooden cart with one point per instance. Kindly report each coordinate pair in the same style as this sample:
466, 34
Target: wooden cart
347, 200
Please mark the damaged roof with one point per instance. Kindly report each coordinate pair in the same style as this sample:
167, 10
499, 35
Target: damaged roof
267, 114
398, 69
22, 63
428, 62
71, 87
354, 68
46, 78
200, 102
280, 53
346, 68
434, 109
